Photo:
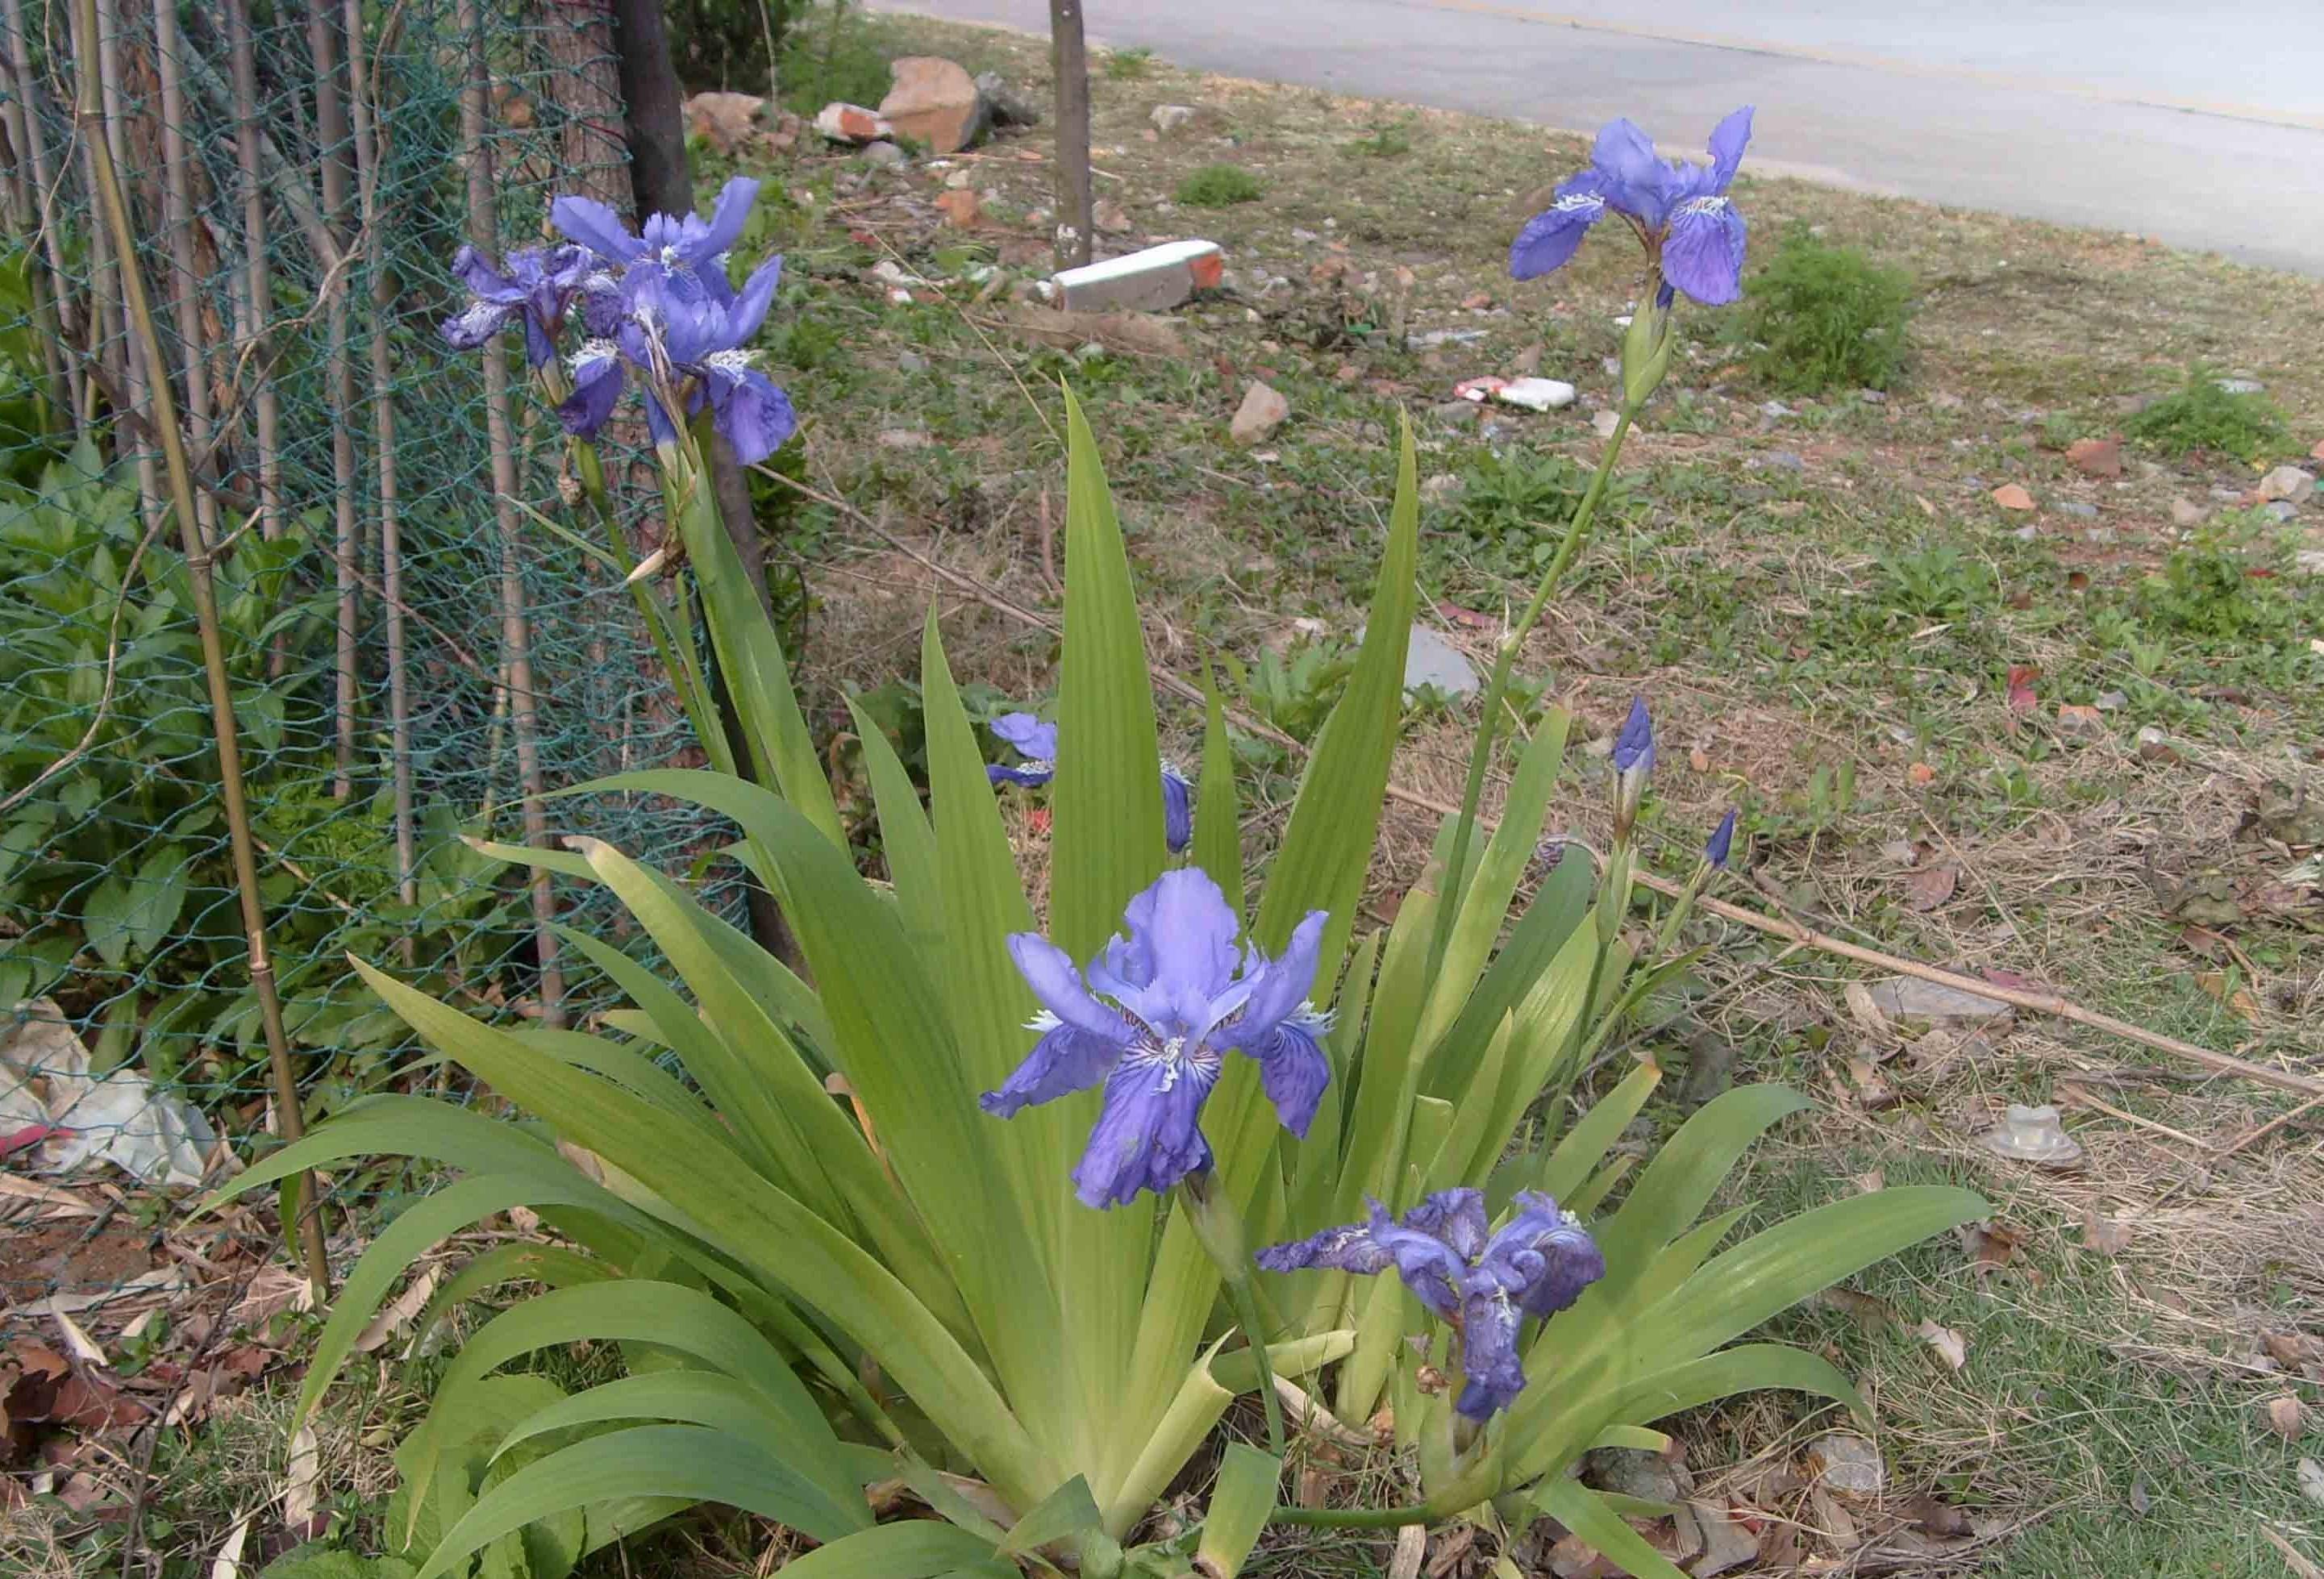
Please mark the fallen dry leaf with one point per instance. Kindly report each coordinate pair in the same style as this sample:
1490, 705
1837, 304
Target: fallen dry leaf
1920, 773
2311, 1476
273, 1291
2022, 697
1931, 886
404, 1308
1990, 1246
1937, 1517
1869, 1311
84, 1347
1865, 1012
2103, 1235
2290, 1348
2238, 999
227, 1564
298, 1481
2285, 1417
1951, 1346
1872, 1092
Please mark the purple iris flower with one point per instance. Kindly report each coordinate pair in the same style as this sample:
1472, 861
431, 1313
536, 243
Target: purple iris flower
691, 353
1182, 996
1722, 842
1485, 1285
534, 286
1634, 759
685, 247
1692, 232
1036, 743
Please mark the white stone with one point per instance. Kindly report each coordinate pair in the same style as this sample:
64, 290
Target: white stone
1168, 118
1535, 394
1261, 412
2287, 483
1432, 660
1153, 279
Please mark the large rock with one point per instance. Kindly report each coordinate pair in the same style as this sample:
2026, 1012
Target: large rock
2288, 485
935, 101
1003, 105
1168, 118
726, 121
1152, 281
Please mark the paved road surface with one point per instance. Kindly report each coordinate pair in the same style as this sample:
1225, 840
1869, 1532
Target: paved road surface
2203, 125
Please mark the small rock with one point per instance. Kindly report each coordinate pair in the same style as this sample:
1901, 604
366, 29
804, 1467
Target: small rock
2010, 496
905, 439
1432, 660
910, 362
1475, 301
2311, 1476
2186, 512
935, 101
2240, 386
887, 153
2154, 746
2076, 508
1003, 105
962, 208
1168, 118
1442, 488
1846, 1463
2028, 534
2278, 510
1455, 413
2101, 536
1261, 413
2287, 483
1151, 280
1633, 1472
1535, 394
1775, 409
1911, 998
726, 121
850, 123
1303, 237
2308, 561
1780, 460
1527, 362
1112, 219
2096, 457
1605, 422
2084, 722
2032, 1134
2111, 701
1873, 397
1943, 401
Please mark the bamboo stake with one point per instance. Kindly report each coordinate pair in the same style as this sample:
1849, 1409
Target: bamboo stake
178, 223
136, 373
367, 151
339, 377
266, 404
515, 633
36, 152
105, 330
90, 115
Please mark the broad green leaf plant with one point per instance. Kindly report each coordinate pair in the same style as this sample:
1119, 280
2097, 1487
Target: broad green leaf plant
827, 1271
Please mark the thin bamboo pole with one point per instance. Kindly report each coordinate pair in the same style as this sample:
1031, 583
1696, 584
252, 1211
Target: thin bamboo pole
105, 328
136, 373
331, 153
368, 130
89, 114
516, 641
266, 406
178, 225
35, 151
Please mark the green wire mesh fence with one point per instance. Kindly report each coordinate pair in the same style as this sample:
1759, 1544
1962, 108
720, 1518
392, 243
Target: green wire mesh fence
412, 661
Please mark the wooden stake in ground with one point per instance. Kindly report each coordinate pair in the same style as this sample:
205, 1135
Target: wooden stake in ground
177, 223
1069, 66
266, 407
516, 638
137, 373
162, 416
35, 151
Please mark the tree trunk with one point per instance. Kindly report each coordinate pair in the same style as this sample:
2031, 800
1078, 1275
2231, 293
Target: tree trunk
663, 183
1069, 64
587, 86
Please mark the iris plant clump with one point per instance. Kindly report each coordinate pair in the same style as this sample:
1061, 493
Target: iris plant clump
1036, 743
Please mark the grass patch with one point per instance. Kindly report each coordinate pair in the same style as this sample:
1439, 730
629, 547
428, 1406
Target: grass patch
1131, 65
1219, 186
1827, 317
2202, 415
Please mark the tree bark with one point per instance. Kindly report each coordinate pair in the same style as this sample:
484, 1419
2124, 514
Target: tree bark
1069, 65
587, 86
663, 183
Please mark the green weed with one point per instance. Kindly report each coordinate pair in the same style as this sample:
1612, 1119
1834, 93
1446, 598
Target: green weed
1386, 139
1219, 186
1827, 318
2201, 415
1130, 65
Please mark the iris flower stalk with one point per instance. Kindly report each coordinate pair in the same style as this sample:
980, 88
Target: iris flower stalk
1693, 238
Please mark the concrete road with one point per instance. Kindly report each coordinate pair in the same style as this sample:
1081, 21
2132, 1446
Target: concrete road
2201, 125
